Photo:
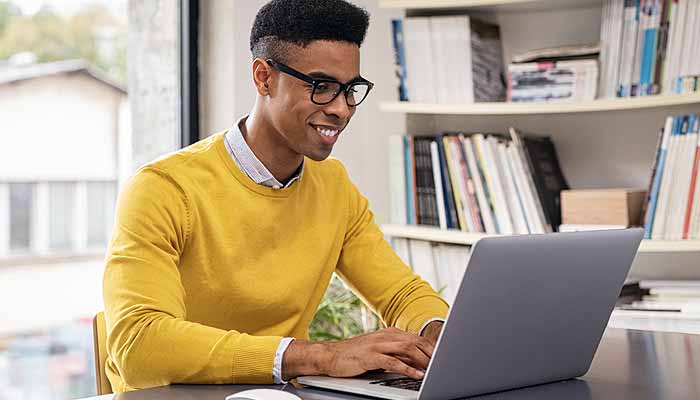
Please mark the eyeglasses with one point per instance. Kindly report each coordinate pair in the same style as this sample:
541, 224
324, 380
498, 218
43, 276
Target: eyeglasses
326, 90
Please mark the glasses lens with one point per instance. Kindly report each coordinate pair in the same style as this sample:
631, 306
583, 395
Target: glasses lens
357, 93
325, 92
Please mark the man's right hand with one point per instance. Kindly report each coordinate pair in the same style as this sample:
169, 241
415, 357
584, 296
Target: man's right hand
389, 349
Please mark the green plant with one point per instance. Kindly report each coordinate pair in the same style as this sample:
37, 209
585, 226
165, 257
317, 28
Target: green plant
341, 315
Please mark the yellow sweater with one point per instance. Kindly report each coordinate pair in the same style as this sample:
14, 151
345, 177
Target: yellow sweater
207, 271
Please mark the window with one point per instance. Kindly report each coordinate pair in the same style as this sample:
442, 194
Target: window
101, 198
21, 206
62, 215
66, 121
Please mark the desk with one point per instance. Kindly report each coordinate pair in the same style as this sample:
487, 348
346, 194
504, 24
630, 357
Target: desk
629, 365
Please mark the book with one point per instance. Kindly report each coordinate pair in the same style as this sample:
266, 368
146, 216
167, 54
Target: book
401, 247
656, 173
397, 177
559, 53
411, 201
399, 58
449, 59
673, 212
485, 207
563, 81
422, 262
589, 227
520, 156
480, 183
450, 205
541, 158
451, 265
629, 46
418, 53
437, 179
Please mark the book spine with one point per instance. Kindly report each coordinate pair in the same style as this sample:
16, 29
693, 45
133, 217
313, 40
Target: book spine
639, 47
468, 184
439, 190
657, 172
399, 57
629, 40
661, 47
397, 179
413, 180
693, 177
652, 41
424, 218
461, 178
431, 198
657, 228
480, 187
454, 180
452, 219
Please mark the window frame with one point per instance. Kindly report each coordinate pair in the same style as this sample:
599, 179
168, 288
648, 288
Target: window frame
189, 72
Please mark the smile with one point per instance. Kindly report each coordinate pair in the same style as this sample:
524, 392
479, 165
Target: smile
326, 131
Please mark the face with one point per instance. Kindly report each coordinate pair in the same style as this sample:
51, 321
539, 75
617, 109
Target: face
301, 126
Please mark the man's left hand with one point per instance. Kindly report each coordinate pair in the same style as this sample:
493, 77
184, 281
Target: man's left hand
432, 331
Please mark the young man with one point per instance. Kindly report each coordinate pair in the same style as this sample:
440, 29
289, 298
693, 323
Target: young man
223, 250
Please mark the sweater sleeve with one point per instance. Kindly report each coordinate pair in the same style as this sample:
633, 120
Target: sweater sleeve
375, 272
149, 340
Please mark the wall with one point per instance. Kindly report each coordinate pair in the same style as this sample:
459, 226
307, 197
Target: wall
68, 112
153, 53
362, 147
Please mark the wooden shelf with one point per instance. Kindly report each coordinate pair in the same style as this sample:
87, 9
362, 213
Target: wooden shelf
458, 237
503, 108
489, 5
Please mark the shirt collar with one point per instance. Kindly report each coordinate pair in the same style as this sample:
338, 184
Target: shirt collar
246, 160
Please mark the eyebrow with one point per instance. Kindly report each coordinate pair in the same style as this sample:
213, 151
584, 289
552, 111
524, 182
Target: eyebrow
323, 75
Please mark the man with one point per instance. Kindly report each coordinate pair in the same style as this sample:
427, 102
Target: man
223, 250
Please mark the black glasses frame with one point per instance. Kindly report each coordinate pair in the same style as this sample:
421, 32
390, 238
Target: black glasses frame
315, 82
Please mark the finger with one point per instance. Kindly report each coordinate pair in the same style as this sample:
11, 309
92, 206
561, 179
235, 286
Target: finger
408, 352
425, 345
408, 361
394, 365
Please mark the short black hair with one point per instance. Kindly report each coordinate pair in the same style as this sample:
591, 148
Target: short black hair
300, 22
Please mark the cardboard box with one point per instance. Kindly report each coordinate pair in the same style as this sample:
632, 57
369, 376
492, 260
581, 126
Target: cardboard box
602, 206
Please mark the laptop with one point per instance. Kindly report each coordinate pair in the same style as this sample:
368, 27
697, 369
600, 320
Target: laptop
530, 309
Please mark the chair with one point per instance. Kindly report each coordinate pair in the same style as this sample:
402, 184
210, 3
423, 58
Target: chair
99, 332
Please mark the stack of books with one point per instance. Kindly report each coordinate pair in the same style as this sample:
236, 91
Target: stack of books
672, 295
649, 47
565, 74
448, 60
480, 183
673, 203
631, 292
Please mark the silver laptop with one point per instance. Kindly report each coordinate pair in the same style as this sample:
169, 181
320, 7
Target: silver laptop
531, 309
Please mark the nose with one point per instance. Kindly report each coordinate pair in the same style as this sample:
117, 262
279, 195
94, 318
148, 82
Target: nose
339, 108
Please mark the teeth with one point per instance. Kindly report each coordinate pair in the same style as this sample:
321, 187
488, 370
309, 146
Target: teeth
327, 132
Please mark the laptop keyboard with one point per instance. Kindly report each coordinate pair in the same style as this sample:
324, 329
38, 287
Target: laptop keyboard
401, 383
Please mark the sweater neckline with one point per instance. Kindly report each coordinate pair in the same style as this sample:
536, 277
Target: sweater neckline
245, 180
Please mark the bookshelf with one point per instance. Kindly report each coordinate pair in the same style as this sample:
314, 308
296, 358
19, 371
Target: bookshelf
469, 239
601, 143
503, 108
488, 5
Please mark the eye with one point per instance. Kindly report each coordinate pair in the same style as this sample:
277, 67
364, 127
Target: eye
323, 87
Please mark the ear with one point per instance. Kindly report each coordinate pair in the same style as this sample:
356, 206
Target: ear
262, 76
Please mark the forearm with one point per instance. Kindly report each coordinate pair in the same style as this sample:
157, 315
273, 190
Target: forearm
305, 358
154, 349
